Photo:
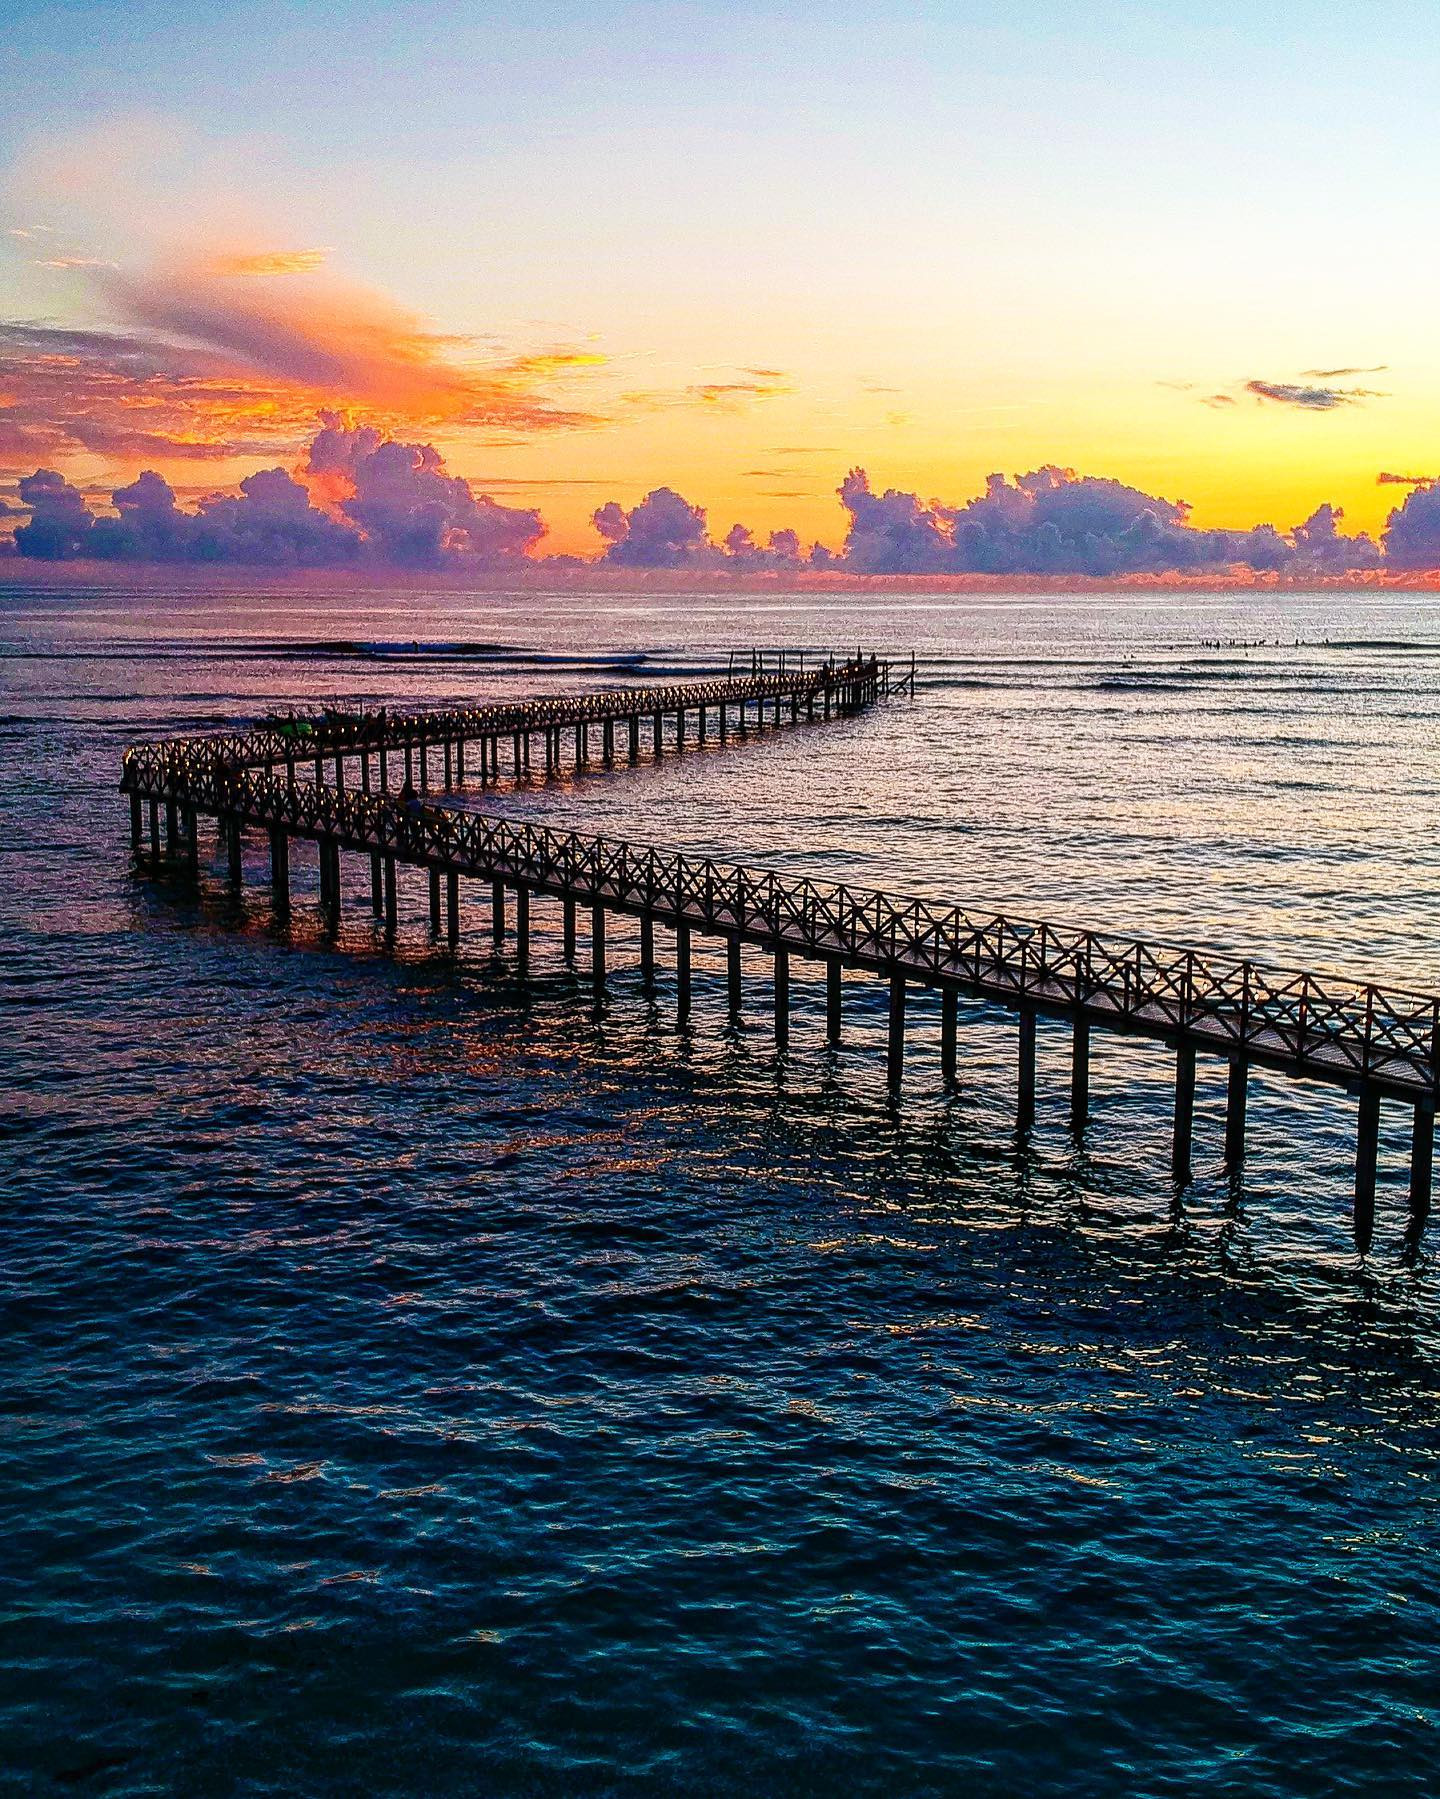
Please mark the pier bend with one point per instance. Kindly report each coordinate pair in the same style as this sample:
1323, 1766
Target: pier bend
333, 778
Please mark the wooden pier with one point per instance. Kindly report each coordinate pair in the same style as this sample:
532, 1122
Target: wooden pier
333, 779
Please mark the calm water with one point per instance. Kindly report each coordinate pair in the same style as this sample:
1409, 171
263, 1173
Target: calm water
415, 1382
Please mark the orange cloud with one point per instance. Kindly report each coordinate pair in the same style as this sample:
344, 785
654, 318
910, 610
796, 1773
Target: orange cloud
269, 262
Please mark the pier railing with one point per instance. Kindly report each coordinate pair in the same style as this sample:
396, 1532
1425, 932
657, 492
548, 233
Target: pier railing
298, 737
1323, 1026
1370, 1038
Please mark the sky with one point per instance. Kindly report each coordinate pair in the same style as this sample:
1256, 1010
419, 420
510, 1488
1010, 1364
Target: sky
589, 251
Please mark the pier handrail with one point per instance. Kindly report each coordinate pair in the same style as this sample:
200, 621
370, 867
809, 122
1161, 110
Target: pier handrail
322, 734
1325, 1026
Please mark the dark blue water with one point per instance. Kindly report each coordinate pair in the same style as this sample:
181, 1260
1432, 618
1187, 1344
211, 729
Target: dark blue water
417, 1381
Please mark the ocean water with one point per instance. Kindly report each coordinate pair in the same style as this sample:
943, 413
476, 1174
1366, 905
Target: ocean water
417, 1380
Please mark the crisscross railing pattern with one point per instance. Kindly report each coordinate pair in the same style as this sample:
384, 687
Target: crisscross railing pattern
298, 737
1318, 1025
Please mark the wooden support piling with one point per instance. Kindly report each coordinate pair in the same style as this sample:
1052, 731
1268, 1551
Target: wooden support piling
1422, 1157
949, 1020
1025, 1093
434, 874
522, 926
234, 855
682, 972
1183, 1130
452, 909
895, 1047
1367, 1143
497, 911
1079, 1073
280, 873
155, 835
1237, 1092
331, 851
597, 948
732, 973
647, 951
137, 829
391, 908
782, 997
833, 977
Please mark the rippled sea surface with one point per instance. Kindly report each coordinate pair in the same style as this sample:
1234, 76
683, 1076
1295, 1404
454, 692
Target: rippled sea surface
419, 1381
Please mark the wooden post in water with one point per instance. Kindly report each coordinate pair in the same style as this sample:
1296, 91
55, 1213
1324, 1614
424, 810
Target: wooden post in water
569, 930
634, 723
452, 909
682, 972
833, 975
192, 845
155, 835
449, 767
332, 856
280, 872
434, 874
137, 828
1236, 1093
647, 951
597, 948
522, 927
1079, 1073
1183, 1130
1367, 1143
658, 734
1422, 1157
233, 846
895, 1049
732, 972
949, 1019
782, 997
607, 740
1025, 1097
497, 912
391, 910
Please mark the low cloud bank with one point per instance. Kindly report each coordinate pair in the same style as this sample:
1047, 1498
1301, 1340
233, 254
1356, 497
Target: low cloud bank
379, 501
359, 497
1049, 522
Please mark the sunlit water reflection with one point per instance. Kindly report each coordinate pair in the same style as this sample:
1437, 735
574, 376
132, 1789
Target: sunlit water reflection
418, 1379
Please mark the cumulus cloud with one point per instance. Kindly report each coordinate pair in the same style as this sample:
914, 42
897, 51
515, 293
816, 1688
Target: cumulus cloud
1412, 532
1053, 521
663, 531
381, 501
411, 511
59, 518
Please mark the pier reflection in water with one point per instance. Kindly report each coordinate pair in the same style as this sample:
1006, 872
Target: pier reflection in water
417, 1378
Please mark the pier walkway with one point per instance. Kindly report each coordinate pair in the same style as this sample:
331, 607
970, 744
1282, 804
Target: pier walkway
332, 779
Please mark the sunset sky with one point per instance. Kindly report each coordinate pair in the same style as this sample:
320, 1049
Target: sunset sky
733, 250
